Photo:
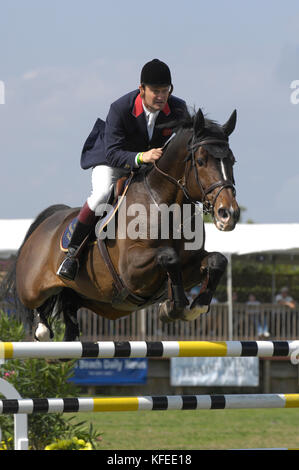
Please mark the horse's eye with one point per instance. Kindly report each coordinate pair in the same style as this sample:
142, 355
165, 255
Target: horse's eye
200, 162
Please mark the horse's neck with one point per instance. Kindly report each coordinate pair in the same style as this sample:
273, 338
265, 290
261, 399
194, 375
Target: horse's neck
172, 168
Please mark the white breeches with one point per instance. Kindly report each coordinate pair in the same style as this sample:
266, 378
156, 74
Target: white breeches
102, 179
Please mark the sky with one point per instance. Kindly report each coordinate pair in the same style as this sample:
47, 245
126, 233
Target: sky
62, 63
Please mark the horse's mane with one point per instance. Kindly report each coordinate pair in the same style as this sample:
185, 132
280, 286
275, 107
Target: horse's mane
212, 128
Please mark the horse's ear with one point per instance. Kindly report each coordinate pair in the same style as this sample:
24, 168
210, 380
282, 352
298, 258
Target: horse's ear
230, 125
199, 122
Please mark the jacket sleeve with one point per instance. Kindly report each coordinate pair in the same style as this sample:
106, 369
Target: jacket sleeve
115, 141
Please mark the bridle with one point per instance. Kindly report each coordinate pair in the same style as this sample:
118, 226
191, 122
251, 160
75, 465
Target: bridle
193, 146
208, 206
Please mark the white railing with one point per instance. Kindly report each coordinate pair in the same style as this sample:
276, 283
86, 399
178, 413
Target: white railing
264, 321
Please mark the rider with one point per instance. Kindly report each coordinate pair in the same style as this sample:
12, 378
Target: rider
129, 138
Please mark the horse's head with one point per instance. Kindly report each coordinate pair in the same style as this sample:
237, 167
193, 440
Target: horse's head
212, 181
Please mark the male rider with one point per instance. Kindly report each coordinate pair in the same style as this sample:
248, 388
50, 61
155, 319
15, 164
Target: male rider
129, 138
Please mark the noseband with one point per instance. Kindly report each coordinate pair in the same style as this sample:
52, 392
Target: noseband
208, 206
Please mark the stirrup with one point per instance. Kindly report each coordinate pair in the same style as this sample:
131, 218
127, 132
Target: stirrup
69, 267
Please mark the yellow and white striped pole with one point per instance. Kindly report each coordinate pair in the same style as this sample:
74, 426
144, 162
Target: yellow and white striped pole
140, 349
148, 403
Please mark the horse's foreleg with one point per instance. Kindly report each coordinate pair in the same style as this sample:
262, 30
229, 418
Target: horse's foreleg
214, 265
173, 308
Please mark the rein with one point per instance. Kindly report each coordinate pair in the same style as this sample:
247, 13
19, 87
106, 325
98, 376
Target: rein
208, 207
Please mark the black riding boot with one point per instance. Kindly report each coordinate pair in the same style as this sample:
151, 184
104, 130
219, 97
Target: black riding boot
70, 265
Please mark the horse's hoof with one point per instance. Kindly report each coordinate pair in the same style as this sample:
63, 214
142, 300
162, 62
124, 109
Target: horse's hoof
42, 333
168, 313
71, 334
193, 313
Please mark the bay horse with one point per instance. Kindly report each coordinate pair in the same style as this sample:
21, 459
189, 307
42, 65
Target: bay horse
128, 273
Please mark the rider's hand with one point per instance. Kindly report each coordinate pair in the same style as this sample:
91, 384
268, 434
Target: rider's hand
152, 155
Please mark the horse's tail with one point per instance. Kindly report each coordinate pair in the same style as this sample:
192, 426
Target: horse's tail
8, 290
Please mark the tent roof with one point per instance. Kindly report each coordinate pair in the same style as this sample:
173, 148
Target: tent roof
245, 239
12, 233
254, 238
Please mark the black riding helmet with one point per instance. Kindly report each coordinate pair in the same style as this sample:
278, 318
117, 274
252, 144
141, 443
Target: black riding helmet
155, 72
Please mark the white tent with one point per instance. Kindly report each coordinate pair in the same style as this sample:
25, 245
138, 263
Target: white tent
244, 239
254, 238
12, 233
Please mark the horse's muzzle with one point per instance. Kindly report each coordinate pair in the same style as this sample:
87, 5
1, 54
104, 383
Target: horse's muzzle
225, 218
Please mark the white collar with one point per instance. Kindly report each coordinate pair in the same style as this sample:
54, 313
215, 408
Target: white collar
148, 113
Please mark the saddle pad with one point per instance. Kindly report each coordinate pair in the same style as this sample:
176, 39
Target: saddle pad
67, 234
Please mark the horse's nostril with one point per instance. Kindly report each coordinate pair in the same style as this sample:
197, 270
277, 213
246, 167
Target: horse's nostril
223, 213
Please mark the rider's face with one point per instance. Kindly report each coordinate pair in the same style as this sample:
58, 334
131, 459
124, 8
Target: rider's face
154, 97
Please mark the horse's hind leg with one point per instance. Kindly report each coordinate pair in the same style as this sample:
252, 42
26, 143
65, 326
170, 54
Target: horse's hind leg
70, 308
65, 303
43, 331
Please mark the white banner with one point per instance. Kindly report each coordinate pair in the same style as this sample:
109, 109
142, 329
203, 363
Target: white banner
210, 371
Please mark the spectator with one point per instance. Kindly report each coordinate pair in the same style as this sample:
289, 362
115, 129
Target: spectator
252, 300
285, 299
262, 329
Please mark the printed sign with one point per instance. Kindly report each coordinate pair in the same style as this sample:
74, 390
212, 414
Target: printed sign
110, 371
211, 371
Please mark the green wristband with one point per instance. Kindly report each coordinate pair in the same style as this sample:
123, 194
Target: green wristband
139, 158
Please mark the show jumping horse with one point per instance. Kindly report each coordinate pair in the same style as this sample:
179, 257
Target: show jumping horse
127, 274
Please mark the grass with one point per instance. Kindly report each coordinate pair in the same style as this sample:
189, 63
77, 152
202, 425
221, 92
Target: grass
204, 429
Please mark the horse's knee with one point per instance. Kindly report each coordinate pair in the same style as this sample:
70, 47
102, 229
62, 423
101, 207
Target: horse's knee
217, 261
